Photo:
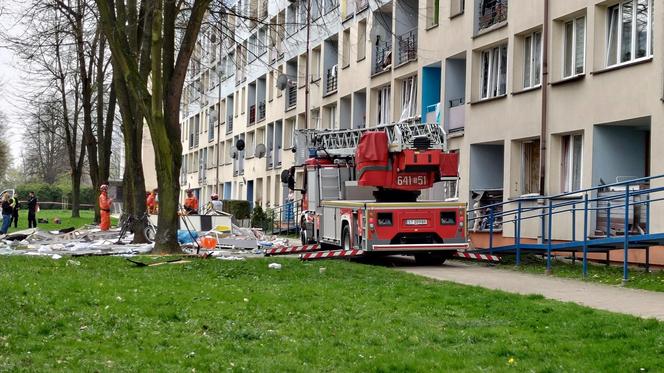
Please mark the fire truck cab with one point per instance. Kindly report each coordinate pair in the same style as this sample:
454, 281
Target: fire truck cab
362, 188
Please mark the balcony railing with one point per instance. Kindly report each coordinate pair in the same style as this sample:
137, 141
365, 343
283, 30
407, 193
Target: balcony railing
291, 97
457, 115
493, 12
407, 46
252, 114
331, 80
261, 111
383, 59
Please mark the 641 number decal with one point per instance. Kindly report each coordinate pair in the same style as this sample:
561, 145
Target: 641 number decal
408, 180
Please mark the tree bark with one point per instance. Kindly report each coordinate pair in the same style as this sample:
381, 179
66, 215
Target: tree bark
159, 102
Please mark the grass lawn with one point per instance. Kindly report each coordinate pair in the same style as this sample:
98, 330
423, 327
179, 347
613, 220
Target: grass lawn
611, 275
87, 216
212, 315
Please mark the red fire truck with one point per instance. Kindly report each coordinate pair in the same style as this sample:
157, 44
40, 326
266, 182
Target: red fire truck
362, 187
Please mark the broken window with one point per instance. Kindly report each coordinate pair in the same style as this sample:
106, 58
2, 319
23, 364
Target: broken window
572, 151
530, 159
384, 105
493, 65
491, 12
408, 98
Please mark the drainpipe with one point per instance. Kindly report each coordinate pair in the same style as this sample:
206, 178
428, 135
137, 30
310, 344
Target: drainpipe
545, 98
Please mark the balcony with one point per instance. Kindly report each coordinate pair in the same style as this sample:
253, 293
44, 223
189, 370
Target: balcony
407, 43
252, 114
331, 80
457, 118
261, 111
383, 59
492, 12
291, 97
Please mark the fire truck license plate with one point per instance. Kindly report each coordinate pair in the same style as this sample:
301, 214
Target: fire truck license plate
416, 222
408, 180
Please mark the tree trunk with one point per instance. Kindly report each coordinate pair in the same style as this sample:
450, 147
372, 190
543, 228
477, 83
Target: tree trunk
76, 194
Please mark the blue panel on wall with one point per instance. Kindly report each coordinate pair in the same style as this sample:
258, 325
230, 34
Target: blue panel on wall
431, 79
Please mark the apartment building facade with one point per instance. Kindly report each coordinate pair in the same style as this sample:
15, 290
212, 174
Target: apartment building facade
475, 66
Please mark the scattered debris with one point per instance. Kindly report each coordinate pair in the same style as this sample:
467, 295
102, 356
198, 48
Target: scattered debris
171, 261
274, 266
56, 257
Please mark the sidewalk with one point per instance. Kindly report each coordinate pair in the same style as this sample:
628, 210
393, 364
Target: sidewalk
642, 303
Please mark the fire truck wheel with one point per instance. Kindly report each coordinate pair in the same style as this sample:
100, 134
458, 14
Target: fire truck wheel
429, 259
345, 238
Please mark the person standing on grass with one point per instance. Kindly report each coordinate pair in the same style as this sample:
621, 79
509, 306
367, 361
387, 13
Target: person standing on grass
152, 202
191, 203
105, 207
32, 210
16, 205
6, 213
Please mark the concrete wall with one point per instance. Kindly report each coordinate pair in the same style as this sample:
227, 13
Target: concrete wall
618, 151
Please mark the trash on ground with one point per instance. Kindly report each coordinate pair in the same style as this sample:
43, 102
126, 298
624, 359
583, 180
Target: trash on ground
274, 266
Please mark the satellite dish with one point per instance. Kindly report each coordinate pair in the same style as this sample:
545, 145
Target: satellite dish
260, 151
282, 81
239, 145
284, 176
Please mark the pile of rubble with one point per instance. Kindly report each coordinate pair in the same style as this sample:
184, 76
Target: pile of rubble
234, 244
89, 240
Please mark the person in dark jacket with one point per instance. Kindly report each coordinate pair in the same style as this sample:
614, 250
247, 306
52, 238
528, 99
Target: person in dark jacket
6, 213
16, 205
32, 210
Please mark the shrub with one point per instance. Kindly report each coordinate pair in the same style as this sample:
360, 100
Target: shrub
259, 219
238, 208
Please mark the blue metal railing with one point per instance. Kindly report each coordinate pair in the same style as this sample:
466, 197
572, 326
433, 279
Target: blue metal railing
638, 195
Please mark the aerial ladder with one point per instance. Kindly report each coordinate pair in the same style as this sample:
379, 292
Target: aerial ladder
361, 194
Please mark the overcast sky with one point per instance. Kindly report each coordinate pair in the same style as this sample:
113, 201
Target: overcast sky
11, 80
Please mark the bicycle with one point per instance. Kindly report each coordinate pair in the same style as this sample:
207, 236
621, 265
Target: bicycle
127, 222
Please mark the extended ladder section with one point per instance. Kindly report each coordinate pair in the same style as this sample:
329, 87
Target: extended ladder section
342, 143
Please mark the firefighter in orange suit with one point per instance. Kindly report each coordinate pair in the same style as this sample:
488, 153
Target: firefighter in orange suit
105, 207
191, 203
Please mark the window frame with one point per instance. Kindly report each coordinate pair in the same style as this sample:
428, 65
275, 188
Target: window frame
572, 58
485, 88
384, 98
534, 80
633, 39
567, 168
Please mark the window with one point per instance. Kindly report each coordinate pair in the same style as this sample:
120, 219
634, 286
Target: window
493, 72
408, 98
345, 57
574, 47
532, 67
432, 12
362, 40
315, 64
384, 105
629, 31
530, 160
491, 12
289, 128
457, 7
572, 146
332, 117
